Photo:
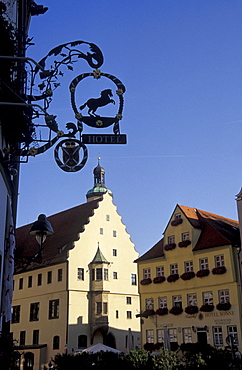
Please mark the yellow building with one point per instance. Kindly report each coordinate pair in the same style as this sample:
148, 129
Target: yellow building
85, 289
189, 282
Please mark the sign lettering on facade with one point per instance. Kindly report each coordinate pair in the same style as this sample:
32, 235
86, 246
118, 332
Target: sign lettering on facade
104, 139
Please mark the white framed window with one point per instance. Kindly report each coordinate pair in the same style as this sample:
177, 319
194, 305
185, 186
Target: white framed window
232, 330
160, 335
80, 273
115, 252
133, 279
174, 268
171, 239
188, 266
160, 271
217, 336
162, 302
149, 303
115, 275
207, 298
192, 299
129, 314
172, 335
105, 274
105, 308
150, 336
223, 296
114, 233
177, 301
203, 262
107, 217
101, 231
146, 273
128, 300
185, 236
219, 260
187, 335
177, 216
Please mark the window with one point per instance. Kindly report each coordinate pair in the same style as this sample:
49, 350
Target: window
174, 268
162, 302
185, 236
187, 335
115, 275
15, 314
146, 273
128, 300
82, 341
177, 301
207, 298
129, 314
99, 308
173, 335
217, 336
149, 303
150, 336
105, 308
177, 216
114, 233
219, 260
34, 311
93, 275
160, 335
30, 282
232, 330
101, 231
133, 279
117, 316
223, 296
49, 277
39, 281
160, 271
171, 239
99, 274
56, 342
192, 299
54, 309
21, 283
115, 252
59, 275
22, 338
188, 266
203, 263
105, 274
35, 337
107, 217
80, 273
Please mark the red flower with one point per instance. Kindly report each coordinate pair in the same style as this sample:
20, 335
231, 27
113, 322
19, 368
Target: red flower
162, 311
146, 281
190, 310
207, 307
176, 222
159, 279
184, 243
169, 247
176, 310
202, 273
223, 306
187, 275
219, 270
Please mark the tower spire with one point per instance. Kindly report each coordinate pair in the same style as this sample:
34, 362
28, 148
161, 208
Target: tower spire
99, 187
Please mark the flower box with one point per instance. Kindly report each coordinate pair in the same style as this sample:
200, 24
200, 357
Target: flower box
146, 281
159, 279
223, 306
170, 247
149, 346
219, 270
184, 243
191, 310
176, 310
162, 311
176, 222
207, 308
172, 278
202, 273
187, 275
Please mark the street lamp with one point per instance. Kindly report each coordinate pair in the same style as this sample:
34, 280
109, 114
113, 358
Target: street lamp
41, 229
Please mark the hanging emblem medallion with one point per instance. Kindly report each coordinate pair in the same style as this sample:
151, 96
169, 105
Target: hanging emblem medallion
70, 150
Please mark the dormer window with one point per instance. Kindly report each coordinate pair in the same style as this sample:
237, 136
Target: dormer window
177, 216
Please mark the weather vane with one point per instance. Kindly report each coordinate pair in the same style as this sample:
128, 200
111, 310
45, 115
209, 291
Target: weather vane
86, 112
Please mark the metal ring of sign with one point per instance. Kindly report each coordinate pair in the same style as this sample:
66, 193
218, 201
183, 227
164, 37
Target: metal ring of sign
77, 167
114, 79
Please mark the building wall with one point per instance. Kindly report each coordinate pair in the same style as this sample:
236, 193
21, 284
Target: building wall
208, 322
107, 231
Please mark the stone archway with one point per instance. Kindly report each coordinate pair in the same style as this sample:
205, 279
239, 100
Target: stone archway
110, 340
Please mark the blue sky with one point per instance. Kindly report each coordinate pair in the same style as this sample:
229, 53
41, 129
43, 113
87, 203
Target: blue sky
180, 61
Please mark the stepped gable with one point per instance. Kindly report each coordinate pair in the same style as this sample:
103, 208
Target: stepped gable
66, 225
155, 252
216, 231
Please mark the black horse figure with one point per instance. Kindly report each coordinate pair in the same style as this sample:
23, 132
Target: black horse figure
93, 104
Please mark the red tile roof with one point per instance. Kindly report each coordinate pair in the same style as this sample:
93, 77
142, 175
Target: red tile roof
66, 225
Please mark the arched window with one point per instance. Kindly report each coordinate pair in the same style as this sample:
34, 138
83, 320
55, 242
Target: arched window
56, 342
28, 361
82, 341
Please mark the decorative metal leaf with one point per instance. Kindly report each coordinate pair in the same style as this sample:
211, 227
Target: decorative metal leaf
70, 67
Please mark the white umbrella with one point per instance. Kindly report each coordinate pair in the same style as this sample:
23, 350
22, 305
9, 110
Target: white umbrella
100, 347
167, 344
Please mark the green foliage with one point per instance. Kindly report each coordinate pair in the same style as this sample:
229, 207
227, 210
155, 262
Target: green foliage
166, 360
138, 358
